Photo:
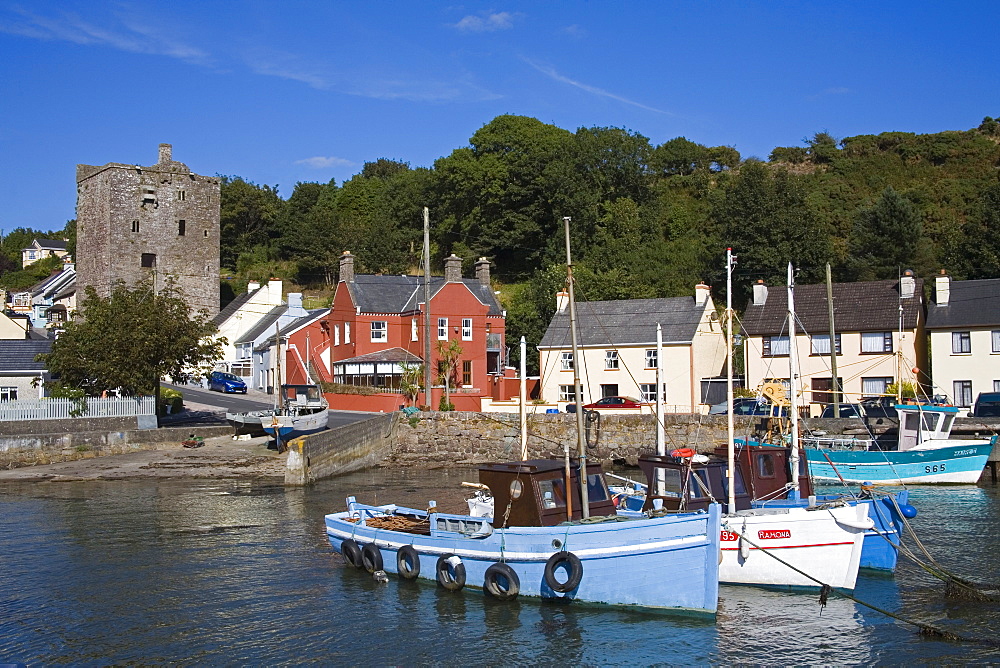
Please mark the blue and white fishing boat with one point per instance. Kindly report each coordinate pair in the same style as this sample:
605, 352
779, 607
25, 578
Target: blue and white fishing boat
531, 550
924, 453
302, 410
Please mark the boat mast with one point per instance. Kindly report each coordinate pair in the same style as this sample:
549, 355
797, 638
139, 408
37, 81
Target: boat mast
834, 382
277, 367
730, 430
578, 387
427, 309
793, 382
661, 437
522, 392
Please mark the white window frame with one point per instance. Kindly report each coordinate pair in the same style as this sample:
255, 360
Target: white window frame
819, 344
347, 332
876, 342
961, 343
414, 330
776, 346
962, 390
868, 385
566, 361
442, 333
466, 329
567, 393
336, 335
651, 358
648, 392
380, 331
611, 361
8, 393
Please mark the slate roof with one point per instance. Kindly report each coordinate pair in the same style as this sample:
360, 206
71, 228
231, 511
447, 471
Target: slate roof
264, 324
50, 244
868, 306
403, 294
19, 355
233, 306
389, 355
626, 321
970, 304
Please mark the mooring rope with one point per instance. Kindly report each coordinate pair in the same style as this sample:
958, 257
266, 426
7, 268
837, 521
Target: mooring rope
825, 589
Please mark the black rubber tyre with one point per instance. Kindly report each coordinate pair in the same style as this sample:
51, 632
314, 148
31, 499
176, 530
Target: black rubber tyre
351, 552
501, 582
371, 558
573, 566
408, 563
450, 576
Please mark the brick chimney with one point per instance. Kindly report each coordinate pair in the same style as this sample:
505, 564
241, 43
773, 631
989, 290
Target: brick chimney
942, 289
165, 150
346, 267
907, 284
759, 293
701, 293
453, 269
483, 271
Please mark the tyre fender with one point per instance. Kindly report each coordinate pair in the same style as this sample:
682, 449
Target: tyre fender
408, 562
501, 582
351, 552
371, 558
450, 572
574, 569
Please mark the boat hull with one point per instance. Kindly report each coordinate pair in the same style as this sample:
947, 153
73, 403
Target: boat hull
950, 464
823, 543
288, 426
248, 423
880, 547
669, 562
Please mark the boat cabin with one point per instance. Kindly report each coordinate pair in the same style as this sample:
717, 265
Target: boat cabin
303, 398
920, 423
762, 472
535, 492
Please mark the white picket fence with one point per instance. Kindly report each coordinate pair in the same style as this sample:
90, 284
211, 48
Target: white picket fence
61, 409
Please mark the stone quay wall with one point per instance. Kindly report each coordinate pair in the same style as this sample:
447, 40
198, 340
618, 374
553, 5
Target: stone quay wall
49, 448
350, 447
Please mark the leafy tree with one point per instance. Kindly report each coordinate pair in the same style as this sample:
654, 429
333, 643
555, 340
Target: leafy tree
22, 279
792, 154
448, 354
679, 157
979, 252
130, 340
383, 168
248, 214
886, 237
822, 148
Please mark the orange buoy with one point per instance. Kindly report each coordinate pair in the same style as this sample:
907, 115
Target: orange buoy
683, 453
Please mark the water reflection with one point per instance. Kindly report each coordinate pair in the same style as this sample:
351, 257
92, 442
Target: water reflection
240, 572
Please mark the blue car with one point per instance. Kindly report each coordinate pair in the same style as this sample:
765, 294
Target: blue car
220, 381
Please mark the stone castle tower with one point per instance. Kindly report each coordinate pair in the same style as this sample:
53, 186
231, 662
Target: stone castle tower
151, 222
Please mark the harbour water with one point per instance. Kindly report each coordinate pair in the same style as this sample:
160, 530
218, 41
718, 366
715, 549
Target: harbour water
228, 572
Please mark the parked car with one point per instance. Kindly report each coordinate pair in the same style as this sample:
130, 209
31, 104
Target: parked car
846, 411
744, 406
879, 407
220, 381
987, 405
608, 402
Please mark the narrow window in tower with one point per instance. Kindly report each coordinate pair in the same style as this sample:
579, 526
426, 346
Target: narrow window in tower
180, 227
135, 225
148, 260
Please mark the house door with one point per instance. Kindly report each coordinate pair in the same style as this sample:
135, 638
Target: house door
821, 390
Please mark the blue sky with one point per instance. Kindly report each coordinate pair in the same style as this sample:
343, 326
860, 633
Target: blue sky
280, 92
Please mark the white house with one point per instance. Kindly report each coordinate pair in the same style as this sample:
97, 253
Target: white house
239, 317
42, 248
879, 337
963, 320
617, 343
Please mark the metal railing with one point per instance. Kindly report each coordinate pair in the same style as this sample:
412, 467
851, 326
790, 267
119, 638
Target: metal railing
62, 409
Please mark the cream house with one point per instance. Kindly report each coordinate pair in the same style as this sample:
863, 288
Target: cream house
963, 320
617, 344
879, 337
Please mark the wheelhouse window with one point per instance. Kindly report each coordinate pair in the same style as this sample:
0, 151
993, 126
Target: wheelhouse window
380, 331
876, 342
466, 329
961, 343
566, 361
651, 359
963, 393
567, 393
775, 346
821, 344
765, 466
611, 360
442, 331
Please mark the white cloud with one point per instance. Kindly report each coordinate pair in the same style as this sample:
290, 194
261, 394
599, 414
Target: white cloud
840, 90
131, 37
575, 30
551, 72
486, 22
272, 63
322, 162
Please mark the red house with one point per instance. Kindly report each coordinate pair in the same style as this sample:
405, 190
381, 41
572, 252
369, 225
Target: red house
376, 325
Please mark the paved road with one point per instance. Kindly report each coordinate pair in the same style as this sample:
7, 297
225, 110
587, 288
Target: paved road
205, 406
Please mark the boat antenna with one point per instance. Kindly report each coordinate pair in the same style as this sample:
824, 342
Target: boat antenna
730, 444
578, 387
793, 382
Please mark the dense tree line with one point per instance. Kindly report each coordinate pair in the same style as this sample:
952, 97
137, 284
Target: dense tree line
12, 276
647, 220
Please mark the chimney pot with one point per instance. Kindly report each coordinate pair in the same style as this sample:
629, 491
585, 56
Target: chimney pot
759, 293
165, 151
907, 284
942, 289
701, 292
483, 271
562, 301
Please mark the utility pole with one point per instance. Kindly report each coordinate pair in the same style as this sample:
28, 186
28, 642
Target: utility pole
427, 309
834, 382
